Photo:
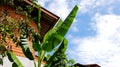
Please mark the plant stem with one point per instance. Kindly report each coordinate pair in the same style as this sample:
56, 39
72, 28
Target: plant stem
34, 64
41, 54
39, 17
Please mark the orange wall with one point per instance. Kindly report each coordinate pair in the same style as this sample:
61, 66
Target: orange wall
18, 50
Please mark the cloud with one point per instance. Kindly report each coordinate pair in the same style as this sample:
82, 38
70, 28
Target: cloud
43, 2
90, 6
60, 8
74, 26
85, 5
69, 36
104, 48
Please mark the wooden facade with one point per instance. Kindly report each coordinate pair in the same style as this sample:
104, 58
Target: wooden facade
48, 20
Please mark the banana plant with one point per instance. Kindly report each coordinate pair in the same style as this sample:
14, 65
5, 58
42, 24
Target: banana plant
56, 35
51, 40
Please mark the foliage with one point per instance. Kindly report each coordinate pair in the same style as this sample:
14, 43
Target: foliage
13, 58
58, 59
56, 34
17, 34
22, 31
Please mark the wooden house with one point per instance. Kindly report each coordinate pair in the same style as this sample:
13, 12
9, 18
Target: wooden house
47, 21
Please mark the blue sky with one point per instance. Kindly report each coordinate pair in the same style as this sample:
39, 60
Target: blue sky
94, 36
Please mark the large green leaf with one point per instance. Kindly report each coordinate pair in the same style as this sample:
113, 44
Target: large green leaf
56, 34
59, 54
14, 59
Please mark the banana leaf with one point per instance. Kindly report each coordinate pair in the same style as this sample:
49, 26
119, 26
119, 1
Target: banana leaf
14, 59
54, 37
59, 54
36, 42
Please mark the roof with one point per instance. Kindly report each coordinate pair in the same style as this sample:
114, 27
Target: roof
48, 19
88, 65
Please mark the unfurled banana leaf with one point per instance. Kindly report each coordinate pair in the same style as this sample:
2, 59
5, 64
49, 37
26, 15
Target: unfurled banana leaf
14, 59
56, 35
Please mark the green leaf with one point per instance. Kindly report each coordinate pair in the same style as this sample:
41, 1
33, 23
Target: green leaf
63, 46
14, 59
54, 37
49, 40
27, 52
59, 23
36, 42
26, 47
36, 46
14, 65
1, 61
59, 54
9, 57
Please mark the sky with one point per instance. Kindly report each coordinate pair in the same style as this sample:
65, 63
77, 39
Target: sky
94, 36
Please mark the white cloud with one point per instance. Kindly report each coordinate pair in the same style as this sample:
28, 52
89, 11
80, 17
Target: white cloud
104, 48
60, 8
95, 5
85, 5
69, 36
75, 29
74, 26
42, 2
